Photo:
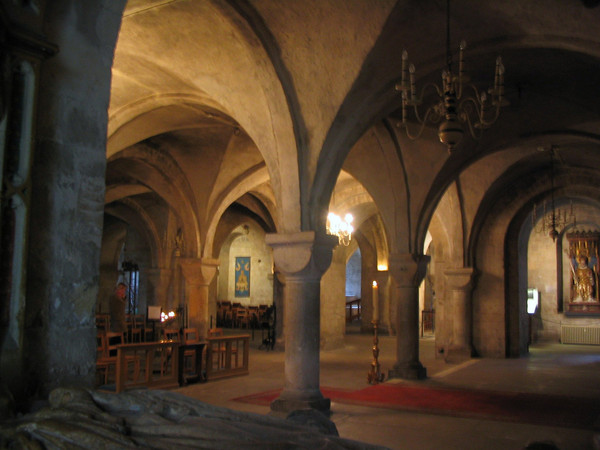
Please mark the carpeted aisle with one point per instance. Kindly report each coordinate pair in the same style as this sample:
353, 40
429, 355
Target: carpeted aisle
493, 405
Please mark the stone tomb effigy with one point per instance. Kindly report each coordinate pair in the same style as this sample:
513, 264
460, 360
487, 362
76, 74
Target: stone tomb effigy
157, 419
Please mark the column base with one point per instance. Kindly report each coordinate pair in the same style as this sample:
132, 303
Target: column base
411, 371
286, 403
458, 355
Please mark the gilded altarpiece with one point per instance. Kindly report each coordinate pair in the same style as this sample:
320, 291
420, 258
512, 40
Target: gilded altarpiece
584, 267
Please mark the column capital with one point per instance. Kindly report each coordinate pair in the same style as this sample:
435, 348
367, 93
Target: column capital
459, 278
307, 254
199, 271
382, 277
408, 269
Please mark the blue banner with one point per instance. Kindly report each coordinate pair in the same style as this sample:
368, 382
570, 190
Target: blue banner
242, 276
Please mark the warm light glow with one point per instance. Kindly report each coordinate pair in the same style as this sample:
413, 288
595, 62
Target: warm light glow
374, 284
341, 228
166, 316
382, 267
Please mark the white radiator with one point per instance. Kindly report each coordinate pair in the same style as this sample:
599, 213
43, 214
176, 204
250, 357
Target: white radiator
570, 334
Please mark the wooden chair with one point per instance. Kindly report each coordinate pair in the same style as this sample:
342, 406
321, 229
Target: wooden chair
224, 316
139, 323
103, 322
242, 318
171, 334
106, 361
129, 323
253, 316
113, 339
228, 320
216, 332
262, 311
102, 362
190, 336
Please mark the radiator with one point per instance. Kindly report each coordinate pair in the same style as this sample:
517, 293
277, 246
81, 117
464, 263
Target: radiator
570, 334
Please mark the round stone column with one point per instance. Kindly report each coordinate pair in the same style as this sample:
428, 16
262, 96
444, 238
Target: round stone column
459, 284
302, 258
407, 270
198, 274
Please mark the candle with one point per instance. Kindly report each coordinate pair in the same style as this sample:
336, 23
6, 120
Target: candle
375, 301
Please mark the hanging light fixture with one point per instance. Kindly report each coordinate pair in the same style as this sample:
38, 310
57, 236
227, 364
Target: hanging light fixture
342, 228
460, 104
556, 220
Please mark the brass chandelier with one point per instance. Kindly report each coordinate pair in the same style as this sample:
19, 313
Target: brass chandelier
553, 222
342, 228
460, 105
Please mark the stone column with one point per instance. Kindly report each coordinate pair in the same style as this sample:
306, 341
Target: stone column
159, 280
382, 278
198, 274
459, 285
278, 288
303, 258
407, 270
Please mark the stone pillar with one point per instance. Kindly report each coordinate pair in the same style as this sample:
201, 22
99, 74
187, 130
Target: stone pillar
278, 288
459, 285
333, 304
382, 278
159, 280
407, 271
198, 274
303, 258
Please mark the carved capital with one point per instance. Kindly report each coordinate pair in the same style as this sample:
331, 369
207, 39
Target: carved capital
407, 269
198, 271
459, 278
381, 276
306, 254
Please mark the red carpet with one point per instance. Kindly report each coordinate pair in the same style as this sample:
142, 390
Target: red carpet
492, 405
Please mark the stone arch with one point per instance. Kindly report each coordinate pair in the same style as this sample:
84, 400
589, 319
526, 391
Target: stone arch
241, 185
160, 113
137, 216
157, 171
498, 229
229, 42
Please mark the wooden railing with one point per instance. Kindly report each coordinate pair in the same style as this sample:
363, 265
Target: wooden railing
227, 356
147, 364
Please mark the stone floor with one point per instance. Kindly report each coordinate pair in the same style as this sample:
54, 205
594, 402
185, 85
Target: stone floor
551, 368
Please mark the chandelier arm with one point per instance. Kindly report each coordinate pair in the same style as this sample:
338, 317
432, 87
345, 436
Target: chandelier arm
435, 87
418, 100
421, 122
475, 95
488, 123
480, 106
464, 106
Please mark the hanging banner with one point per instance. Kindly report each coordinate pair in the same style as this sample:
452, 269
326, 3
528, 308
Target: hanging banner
242, 276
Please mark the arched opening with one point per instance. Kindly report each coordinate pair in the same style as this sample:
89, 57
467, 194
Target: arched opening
353, 292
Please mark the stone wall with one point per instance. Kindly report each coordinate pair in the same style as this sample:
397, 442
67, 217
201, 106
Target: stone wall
261, 268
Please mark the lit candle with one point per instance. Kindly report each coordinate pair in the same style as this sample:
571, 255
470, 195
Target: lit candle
375, 301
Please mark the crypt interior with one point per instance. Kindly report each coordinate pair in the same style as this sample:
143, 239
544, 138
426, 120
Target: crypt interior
194, 148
